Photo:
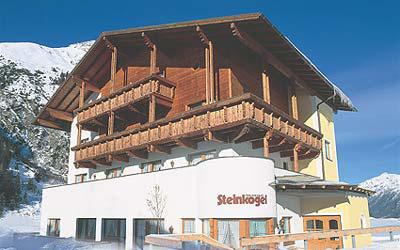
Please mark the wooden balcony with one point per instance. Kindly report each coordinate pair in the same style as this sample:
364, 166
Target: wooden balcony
127, 96
239, 119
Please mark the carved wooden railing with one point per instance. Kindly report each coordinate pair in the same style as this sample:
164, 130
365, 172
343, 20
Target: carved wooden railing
129, 94
218, 116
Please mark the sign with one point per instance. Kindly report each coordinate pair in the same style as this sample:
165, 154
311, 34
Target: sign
244, 199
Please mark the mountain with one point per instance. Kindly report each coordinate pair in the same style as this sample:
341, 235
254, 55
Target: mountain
31, 156
385, 203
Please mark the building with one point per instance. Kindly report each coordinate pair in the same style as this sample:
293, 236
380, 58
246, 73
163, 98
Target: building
224, 122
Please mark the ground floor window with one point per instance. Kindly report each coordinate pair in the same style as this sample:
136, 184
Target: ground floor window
145, 227
188, 226
284, 225
257, 227
86, 229
228, 233
206, 227
80, 178
113, 230
53, 227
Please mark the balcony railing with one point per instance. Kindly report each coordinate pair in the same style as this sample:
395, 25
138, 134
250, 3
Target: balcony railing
132, 93
221, 116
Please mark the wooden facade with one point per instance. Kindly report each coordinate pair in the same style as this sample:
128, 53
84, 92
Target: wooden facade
231, 79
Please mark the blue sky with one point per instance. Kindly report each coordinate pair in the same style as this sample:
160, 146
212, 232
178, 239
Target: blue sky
355, 43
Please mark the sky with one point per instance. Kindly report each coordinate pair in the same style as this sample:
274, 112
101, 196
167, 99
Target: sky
355, 43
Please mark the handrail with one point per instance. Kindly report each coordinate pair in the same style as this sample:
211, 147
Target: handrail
268, 239
125, 88
176, 240
204, 109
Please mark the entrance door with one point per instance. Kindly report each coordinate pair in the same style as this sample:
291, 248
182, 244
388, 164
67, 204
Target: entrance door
320, 223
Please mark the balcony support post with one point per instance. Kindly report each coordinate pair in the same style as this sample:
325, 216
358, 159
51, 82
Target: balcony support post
82, 94
152, 108
111, 123
207, 62
113, 67
153, 52
296, 150
79, 134
265, 82
293, 102
212, 78
266, 139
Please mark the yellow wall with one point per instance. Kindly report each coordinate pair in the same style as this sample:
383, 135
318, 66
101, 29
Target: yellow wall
351, 208
308, 115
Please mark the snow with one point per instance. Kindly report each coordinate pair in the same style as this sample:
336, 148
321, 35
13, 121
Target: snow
34, 57
383, 183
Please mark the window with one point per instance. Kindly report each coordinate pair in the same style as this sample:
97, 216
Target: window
198, 157
319, 225
310, 225
80, 178
206, 227
285, 225
285, 165
53, 227
228, 233
151, 166
86, 229
112, 173
188, 226
145, 227
195, 105
113, 230
257, 227
328, 151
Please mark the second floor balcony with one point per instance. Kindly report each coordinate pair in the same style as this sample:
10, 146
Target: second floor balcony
238, 119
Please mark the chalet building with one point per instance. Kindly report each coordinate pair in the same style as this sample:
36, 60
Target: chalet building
223, 121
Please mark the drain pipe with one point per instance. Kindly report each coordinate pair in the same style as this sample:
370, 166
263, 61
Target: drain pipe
319, 129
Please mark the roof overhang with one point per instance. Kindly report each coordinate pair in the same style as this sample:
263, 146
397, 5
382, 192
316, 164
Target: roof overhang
95, 65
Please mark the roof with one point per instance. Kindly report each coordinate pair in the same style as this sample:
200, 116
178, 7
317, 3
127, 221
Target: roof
95, 64
306, 182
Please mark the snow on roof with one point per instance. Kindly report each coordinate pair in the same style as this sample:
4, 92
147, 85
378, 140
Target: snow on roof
343, 98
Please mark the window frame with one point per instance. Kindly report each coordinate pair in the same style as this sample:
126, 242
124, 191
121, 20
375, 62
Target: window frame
152, 163
85, 237
83, 178
115, 170
203, 153
191, 221
328, 150
112, 238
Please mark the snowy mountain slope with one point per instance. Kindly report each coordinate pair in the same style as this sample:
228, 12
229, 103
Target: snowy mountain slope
31, 155
385, 203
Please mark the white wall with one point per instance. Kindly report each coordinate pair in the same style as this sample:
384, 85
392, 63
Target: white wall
191, 192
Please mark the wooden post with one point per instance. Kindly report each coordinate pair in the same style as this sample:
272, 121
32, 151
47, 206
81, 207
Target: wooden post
207, 65
296, 158
212, 81
265, 82
152, 109
153, 59
266, 147
293, 102
82, 94
79, 134
113, 67
111, 123
125, 69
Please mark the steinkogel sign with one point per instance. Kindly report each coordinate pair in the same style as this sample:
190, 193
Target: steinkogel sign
244, 199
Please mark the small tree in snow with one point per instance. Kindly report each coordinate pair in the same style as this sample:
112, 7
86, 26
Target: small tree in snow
156, 203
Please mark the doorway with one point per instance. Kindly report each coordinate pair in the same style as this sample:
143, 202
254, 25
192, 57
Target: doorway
321, 223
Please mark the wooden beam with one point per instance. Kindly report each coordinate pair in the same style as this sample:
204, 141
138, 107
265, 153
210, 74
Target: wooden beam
61, 115
50, 124
89, 86
137, 154
266, 82
212, 78
296, 158
82, 94
111, 123
284, 147
207, 65
85, 164
113, 67
238, 137
159, 149
79, 134
248, 41
266, 139
202, 35
121, 158
152, 108
153, 52
186, 143
212, 136
293, 103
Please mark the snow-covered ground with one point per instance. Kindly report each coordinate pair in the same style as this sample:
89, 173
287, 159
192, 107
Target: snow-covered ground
19, 231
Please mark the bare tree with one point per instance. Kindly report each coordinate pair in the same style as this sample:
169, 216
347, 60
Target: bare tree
156, 203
